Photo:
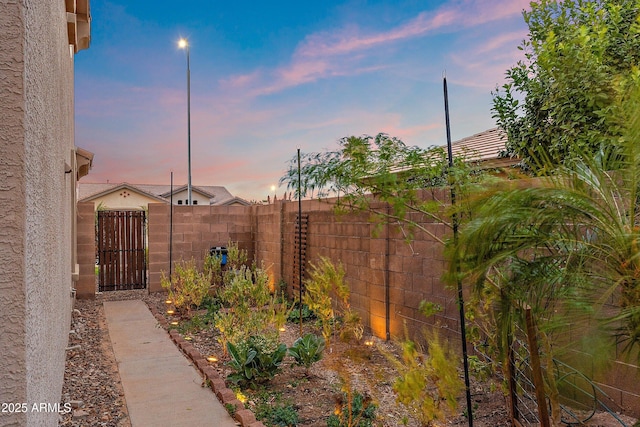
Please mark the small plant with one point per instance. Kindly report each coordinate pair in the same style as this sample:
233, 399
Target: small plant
307, 350
307, 314
327, 295
352, 328
213, 267
427, 380
353, 410
273, 412
187, 287
255, 360
248, 306
231, 408
196, 323
236, 257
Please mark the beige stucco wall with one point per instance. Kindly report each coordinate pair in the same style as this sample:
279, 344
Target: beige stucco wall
12, 210
195, 197
36, 139
123, 199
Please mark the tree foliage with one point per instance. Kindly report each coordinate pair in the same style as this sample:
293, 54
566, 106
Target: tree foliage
387, 178
568, 246
562, 100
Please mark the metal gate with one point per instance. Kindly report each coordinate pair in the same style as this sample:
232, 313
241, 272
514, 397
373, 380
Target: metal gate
121, 250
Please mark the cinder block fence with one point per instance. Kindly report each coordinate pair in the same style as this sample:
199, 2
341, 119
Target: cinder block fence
388, 276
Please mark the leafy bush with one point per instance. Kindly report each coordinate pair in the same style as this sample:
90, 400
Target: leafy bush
255, 360
236, 259
353, 410
248, 306
351, 326
327, 294
307, 350
213, 266
187, 286
427, 380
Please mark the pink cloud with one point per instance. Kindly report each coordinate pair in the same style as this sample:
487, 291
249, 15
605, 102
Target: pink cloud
462, 14
484, 65
336, 52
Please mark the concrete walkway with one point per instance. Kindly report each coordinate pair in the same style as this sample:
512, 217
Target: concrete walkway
161, 386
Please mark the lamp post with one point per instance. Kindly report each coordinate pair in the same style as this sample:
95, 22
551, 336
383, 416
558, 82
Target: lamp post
184, 44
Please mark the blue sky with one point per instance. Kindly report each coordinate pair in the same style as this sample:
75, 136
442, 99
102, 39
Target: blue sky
270, 77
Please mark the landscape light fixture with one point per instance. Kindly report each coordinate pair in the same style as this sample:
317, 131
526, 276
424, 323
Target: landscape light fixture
184, 44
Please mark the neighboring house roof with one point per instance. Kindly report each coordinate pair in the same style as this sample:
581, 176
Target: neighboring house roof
216, 194
88, 192
234, 201
211, 192
485, 147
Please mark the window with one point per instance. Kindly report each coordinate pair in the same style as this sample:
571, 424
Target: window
179, 202
195, 202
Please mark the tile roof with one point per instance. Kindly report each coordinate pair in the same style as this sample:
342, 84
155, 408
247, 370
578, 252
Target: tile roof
485, 147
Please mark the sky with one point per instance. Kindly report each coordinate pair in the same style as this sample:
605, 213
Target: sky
268, 78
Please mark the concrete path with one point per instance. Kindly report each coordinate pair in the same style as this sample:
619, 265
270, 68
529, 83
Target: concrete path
161, 386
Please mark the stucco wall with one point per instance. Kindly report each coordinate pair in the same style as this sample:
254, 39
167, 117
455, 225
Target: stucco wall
12, 211
49, 140
35, 250
196, 198
123, 199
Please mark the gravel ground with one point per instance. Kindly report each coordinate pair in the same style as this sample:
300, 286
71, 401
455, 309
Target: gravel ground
91, 379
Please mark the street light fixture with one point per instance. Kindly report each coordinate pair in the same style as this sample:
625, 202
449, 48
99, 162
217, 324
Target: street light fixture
184, 44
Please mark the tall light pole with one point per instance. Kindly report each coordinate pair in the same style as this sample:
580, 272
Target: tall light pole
184, 44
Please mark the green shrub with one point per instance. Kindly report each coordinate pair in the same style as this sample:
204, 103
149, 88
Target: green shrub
187, 287
428, 383
196, 323
307, 350
213, 266
273, 412
327, 295
294, 315
353, 410
248, 306
255, 360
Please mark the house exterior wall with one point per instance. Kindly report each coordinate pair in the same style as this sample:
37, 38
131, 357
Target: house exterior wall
123, 199
196, 198
36, 141
12, 211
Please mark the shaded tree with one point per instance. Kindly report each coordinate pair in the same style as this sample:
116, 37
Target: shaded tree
563, 99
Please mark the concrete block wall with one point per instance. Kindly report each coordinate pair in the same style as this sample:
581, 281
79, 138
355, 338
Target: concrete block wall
267, 223
195, 230
375, 263
86, 284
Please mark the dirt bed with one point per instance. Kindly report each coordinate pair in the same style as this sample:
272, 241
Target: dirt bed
92, 381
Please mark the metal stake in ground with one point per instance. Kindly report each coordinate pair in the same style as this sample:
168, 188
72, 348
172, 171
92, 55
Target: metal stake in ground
455, 239
299, 243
